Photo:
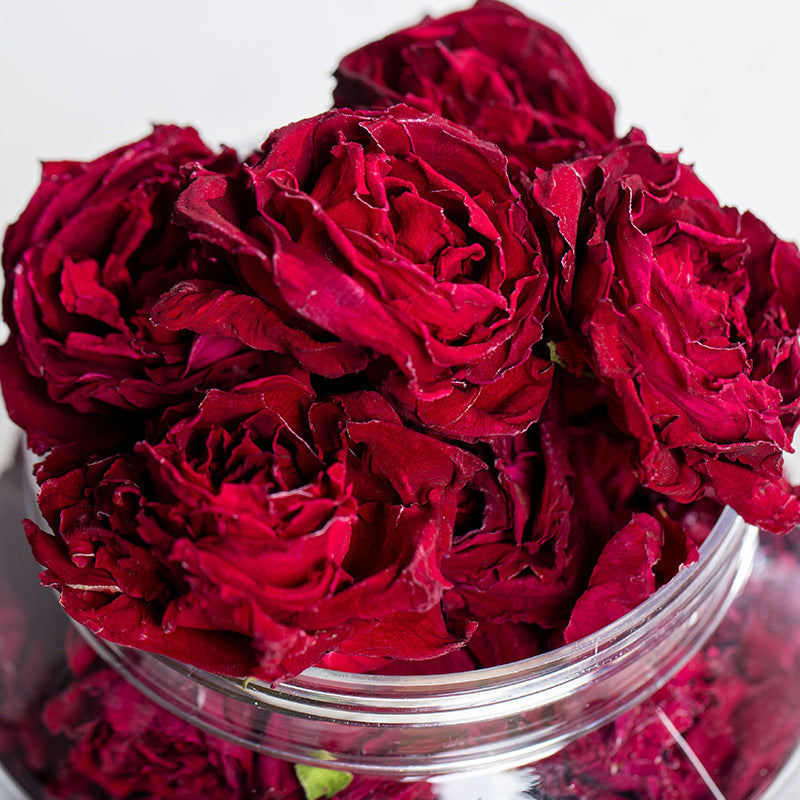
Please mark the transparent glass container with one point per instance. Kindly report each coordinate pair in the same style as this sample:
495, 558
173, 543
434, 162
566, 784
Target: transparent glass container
695, 694
489, 719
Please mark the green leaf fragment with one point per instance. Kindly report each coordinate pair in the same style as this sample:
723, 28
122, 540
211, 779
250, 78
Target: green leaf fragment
321, 782
554, 356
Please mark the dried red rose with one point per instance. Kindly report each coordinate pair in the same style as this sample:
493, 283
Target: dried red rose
567, 540
260, 530
122, 746
390, 240
83, 265
509, 78
107, 740
688, 315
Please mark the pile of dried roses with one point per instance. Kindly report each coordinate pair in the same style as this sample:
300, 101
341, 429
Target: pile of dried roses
448, 372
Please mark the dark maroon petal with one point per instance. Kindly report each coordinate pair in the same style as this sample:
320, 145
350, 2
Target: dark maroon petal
208, 309
411, 637
45, 422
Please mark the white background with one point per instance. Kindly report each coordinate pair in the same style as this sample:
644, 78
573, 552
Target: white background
718, 79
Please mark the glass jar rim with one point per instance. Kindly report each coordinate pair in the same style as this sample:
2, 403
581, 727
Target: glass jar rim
536, 676
717, 545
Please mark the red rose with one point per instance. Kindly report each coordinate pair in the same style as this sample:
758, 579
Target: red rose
511, 79
688, 314
259, 531
84, 263
384, 240
563, 515
735, 704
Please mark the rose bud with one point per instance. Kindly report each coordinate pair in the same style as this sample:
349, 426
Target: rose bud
688, 314
83, 265
392, 241
260, 530
510, 79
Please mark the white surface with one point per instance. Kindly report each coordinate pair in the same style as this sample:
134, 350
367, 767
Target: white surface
76, 79
9, 789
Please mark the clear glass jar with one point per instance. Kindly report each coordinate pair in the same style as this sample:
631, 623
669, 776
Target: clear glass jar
695, 694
